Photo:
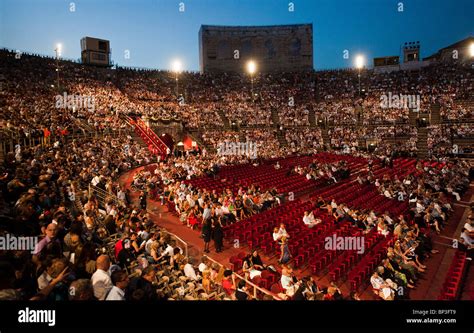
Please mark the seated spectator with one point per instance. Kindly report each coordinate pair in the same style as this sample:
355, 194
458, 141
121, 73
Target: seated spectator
126, 256
120, 281
188, 269
228, 283
48, 244
383, 288
249, 269
241, 294
141, 287
467, 239
204, 264
333, 293
81, 290
309, 219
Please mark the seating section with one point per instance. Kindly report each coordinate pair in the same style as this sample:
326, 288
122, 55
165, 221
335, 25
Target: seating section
454, 279
266, 176
360, 274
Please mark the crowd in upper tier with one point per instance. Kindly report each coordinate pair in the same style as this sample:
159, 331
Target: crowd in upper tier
330, 95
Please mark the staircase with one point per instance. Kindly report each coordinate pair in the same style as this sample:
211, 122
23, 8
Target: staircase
2, 152
281, 137
224, 118
359, 113
326, 138
275, 117
435, 114
422, 142
151, 139
412, 116
312, 117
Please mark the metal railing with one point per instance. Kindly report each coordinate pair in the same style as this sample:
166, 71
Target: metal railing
103, 196
154, 138
177, 239
11, 138
249, 283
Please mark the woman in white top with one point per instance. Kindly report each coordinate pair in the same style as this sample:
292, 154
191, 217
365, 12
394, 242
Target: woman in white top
276, 235
383, 288
249, 269
282, 231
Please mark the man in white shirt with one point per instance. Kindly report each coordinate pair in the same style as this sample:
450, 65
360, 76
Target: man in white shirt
121, 195
203, 265
168, 252
309, 219
468, 240
149, 242
419, 207
468, 226
188, 269
95, 180
101, 281
388, 219
120, 281
218, 211
201, 202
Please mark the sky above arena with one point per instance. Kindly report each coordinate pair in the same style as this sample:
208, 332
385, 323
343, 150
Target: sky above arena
154, 32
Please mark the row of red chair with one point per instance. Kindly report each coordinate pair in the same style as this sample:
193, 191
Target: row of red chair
452, 284
364, 269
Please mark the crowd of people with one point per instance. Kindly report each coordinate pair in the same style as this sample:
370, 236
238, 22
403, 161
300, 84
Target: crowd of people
332, 95
94, 238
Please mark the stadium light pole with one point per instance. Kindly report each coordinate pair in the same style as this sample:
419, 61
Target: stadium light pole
58, 50
359, 63
251, 69
177, 67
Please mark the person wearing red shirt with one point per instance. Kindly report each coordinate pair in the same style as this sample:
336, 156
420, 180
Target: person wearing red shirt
228, 284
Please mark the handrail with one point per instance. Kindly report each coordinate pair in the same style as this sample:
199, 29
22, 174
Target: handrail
179, 239
102, 194
255, 287
147, 129
152, 140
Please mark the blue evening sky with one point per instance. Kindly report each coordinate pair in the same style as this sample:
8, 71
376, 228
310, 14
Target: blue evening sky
155, 31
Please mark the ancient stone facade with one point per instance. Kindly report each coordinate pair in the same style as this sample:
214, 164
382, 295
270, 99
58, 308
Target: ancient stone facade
279, 48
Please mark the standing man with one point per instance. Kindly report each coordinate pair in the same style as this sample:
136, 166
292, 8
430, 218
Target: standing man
101, 281
143, 200
218, 235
